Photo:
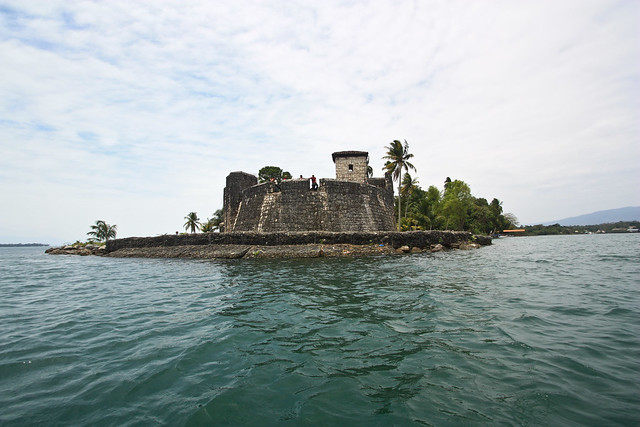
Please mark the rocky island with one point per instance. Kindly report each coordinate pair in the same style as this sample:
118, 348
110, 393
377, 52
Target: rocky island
351, 215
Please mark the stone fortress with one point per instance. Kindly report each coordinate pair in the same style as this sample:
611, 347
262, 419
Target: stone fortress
352, 202
351, 215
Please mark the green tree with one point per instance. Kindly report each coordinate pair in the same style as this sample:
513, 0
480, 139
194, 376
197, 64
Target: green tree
103, 231
511, 219
409, 186
447, 182
214, 223
266, 173
480, 221
456, 204
497, 220
397, 161
433, 199
193, 222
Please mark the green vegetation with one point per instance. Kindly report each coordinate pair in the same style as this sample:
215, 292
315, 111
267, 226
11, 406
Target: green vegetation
557, 229
193, 222
213, 223
102, 231
453, 208
398, 160
268, 172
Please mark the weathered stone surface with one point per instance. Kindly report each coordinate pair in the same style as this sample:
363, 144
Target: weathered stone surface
467, 246
351, 202
420, 239
77, 250
279, 245
288, 245
336, 206
437, 248
235, 251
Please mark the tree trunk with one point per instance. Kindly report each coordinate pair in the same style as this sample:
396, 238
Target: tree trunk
399, 202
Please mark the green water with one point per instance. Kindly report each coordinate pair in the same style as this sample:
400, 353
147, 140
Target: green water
529, 331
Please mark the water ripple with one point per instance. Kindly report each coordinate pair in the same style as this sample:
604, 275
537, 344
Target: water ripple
527, 331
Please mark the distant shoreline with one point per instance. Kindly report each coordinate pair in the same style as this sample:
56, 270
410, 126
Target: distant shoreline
22, 245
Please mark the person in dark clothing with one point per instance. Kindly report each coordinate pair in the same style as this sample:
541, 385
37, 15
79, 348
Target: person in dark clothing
314, 184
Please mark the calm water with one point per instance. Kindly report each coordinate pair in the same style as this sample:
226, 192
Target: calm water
530, 331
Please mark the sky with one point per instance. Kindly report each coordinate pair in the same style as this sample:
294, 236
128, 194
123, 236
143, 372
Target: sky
134, 112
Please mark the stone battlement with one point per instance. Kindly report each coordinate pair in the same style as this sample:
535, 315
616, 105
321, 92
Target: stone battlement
350, 203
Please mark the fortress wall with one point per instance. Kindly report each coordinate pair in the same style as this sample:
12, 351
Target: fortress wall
336, 206
294, 208
236, 183
394, 239
356, 207
378, 182
248, 214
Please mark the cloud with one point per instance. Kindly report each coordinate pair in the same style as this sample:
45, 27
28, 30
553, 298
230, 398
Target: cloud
134, 112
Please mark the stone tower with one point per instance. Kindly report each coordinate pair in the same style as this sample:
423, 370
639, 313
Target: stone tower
237, 182
350, 203
351, 165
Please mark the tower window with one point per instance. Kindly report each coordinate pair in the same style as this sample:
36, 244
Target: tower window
350, 168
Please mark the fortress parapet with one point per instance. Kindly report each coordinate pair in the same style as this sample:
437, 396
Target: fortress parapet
351, 202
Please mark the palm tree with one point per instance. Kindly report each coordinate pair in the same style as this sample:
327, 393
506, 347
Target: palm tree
398, 160
193, 222
214, 223
409, 186
103, 231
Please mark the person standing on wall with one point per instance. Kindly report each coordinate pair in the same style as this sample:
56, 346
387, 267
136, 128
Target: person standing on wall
314, 184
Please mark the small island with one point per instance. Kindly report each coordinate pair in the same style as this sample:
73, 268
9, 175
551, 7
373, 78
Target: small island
352, 214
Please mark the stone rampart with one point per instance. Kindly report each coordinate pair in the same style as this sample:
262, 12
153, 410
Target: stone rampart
292, 206
236, 183
394, 239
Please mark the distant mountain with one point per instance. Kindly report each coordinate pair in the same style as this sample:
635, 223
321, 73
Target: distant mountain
601, 217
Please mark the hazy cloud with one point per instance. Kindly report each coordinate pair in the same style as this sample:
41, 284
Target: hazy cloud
135, 112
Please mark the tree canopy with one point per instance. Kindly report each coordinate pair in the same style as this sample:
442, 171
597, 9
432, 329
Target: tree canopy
398, 161
193, 222
452, 208
103, 231
214, 223
266, 173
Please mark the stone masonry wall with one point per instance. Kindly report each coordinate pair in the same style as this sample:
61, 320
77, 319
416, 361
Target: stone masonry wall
236, 183
357, 174
336, 206
420, 239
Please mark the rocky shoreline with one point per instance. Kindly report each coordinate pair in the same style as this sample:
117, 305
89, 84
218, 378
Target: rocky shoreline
82, 250
280, 245
283, 251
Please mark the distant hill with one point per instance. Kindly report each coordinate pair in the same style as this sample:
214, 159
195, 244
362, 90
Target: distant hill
601, 217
